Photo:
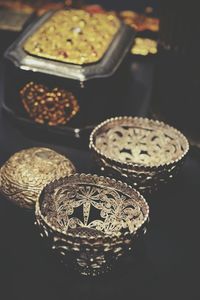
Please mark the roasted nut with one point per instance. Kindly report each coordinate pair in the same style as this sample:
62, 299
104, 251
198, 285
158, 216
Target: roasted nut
86, 33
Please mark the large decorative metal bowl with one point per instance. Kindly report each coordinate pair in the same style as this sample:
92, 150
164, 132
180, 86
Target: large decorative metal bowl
90, 221
141, 151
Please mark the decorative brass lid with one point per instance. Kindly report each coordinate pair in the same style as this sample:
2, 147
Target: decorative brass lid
25, 174
73, 36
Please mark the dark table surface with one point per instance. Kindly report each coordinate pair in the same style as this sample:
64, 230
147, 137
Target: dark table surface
164, 265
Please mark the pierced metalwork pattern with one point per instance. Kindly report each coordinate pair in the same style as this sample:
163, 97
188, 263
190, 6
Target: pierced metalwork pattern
116, 211
25, 174
148, 144
74, 36
143, 152
90, 221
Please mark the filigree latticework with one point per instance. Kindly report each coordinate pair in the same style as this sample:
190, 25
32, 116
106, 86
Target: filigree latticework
143, 152
116, 211
140, 145
91, 221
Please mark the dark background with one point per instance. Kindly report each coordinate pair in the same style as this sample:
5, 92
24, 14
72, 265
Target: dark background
164, 265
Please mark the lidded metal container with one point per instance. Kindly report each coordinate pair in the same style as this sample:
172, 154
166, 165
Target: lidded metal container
71, 70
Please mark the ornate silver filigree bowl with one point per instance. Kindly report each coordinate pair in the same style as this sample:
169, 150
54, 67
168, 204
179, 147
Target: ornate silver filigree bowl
141, 151
90, 221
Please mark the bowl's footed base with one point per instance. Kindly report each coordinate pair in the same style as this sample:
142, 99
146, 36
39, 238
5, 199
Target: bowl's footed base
88, 270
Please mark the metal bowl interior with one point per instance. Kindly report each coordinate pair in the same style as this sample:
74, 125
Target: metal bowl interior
89, 206
132, 141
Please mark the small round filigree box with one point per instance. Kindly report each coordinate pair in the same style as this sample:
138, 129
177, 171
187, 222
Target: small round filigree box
24, 175
143, 152
90, 221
